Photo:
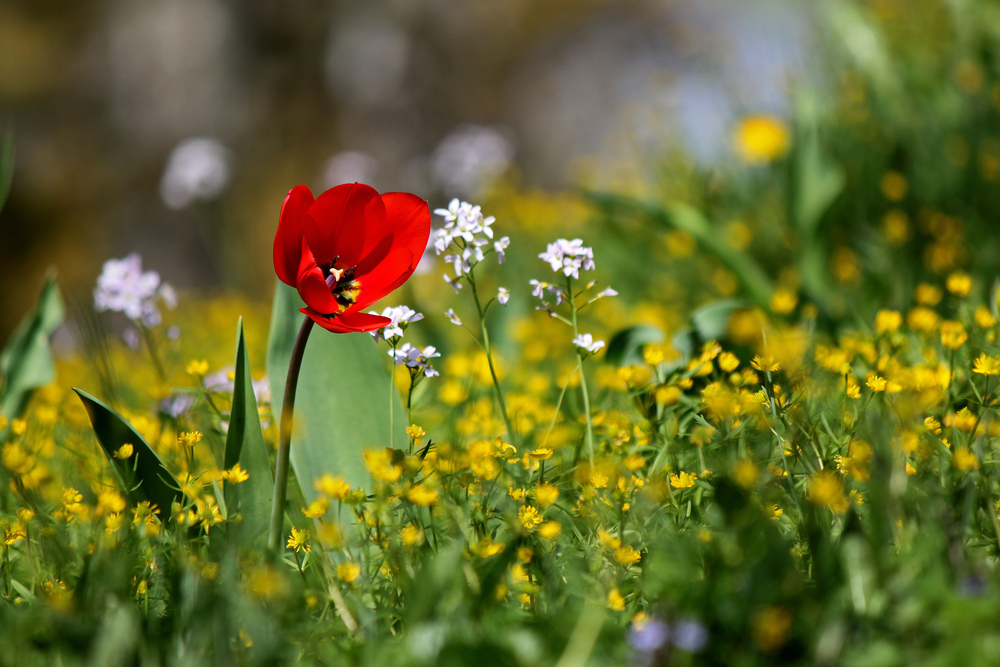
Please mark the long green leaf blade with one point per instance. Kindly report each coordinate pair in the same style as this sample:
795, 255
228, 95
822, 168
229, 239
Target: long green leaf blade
245, 445
143, 473
341, 404
26, 362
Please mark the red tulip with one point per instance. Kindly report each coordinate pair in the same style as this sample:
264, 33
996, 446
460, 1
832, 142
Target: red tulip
348, 248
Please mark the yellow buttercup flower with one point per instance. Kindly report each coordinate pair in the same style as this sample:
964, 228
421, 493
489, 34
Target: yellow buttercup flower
984, 364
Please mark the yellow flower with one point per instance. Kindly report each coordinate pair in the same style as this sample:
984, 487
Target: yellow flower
348, 572
783, 301
765, 363
529, 517
17, 459
888, 321
746, 474
626, 555
546, 494
379, 464
876, 383
959, 283
196, 367
932, 425
683, 480
549, 530
189, 438
761, 138
236, 474
299, 540
984, 318
963, 459
415, 431
124, 451
615, 600
422, 495
771, 626
317, 508
411, 535
953, 334
667, 395
827, 490
728, 362
923, 319
928, 295
335, 487
986, 365
893, 185
26, 514
516, 494
541, 454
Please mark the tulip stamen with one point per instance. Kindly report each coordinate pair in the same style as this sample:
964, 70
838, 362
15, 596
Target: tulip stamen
343, 286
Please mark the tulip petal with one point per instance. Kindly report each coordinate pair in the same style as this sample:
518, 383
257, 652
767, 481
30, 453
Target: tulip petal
347, 322
288, 239
312, 285
392, 272
338, 221
408, 225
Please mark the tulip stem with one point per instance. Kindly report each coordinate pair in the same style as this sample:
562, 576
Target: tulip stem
285, 438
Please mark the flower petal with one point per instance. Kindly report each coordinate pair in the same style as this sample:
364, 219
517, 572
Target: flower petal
347, 322
339, 220
312, 285
392, 272
408, 225
288, 239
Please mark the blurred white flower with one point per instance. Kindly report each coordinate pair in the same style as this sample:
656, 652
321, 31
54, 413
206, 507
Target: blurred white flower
470, 158
586, 342
452, 317
125, 288
503, 295
197, 170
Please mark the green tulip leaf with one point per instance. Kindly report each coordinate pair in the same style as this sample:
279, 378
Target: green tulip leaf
342, 399
143, 474
625, 346
245, 445
26, 361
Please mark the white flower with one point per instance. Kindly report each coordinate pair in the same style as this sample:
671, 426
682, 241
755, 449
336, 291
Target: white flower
454, 283
124, 287
470, 158
538, 288
197, 170
450, 314
569, 257
414, 357
607, 291
586, 342
500, 247
400, 317
503, 295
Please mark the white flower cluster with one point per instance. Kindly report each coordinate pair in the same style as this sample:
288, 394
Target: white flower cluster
415, 358
401, 316
467, 235
587, 343
569, 257
125, 288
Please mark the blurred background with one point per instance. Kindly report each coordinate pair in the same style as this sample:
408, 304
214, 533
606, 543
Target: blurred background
174, 128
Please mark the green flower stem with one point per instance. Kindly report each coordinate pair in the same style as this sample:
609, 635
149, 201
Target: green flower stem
489, 356
285, 438
583, 376
147, 335
392, 391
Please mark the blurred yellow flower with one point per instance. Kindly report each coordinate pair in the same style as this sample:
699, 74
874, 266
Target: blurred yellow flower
348, 572
761, 138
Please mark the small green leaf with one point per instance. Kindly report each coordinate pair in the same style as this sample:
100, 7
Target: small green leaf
26, 361
6, 166
342, 400
143, 473
625, 347
711, 321
245, 445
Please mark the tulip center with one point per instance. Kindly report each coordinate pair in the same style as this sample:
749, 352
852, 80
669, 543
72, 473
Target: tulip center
342, 284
